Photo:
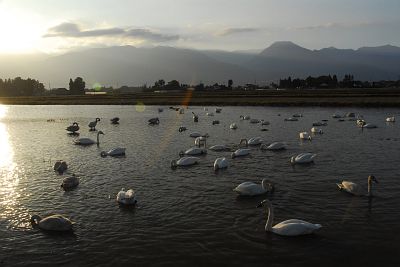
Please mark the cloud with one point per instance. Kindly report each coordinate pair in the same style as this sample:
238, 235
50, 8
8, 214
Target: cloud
72, 30
331, 25
230, 31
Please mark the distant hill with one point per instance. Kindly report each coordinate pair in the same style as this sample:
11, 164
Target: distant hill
128, 65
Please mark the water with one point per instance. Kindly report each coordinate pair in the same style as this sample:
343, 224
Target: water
191, 215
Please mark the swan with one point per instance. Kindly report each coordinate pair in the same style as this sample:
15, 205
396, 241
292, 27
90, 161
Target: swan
115, 120
182, 129
336, 116
361, 122
60, 166
254, 141
303, 158
233, 126
200, 141
218, 110
219, 148
154, 121
194, 151
220, 163
265, 123
291, 119
298, 115
350, 115
196, 134
184, 161
87, 141
54, 222
241, 152
215, 122
73, 128
126, 197
253, 189
318, 123
255, 121
195, 117
92, 124
117, 151
247, 117
355, 189
210, 114
181, 111
70, 182
292, 227
316, 130
305, 136
273, 146
391, 119
160, 109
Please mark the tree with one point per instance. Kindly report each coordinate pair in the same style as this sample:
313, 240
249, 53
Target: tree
173, 85
77, 87
230, 83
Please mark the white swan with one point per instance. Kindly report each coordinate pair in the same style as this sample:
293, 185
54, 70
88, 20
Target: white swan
70, 182
291, 119
264, 123
316, 130
181, 111
298, 115
254, 141
60, 166
210, 114
336, 116
369, 126
126, 198
194, 151
87, 141
185, 161
292, 227
195, 134
117, 151
318, 123
391, 119
154, 121
305, 136
247, 117
219, 148
92, 124
200, 141
195, 117
253, 189
54, 222
273, 146
303, 158
218, 110
73, 128
360, 122
233, 126
220, 163
355, 189
241, 152
255, 121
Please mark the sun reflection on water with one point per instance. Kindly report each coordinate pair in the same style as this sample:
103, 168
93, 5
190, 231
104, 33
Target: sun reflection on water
9, 173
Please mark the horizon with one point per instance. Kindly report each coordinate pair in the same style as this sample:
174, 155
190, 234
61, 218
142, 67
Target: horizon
41, 27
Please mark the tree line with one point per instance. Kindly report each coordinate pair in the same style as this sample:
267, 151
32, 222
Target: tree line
21, 87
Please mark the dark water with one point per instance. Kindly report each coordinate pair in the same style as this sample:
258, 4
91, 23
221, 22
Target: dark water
192, 216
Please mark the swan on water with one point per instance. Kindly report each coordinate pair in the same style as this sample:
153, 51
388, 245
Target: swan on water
182, 129
115, 120
184, 161
60, 166
254, 141
357, 190
369, 126
255, 121
247, 117
233, 126
360, 122
181, 111
241, 152
219, 148
194, 151
220, 163
87, 141
292, 227
73, 128
115, 152
70, 182
273, 146
154, 121
126, 197
160, 110
305, 136
391, 119
195, 117
215, 122
210, 114
318, 123
316, 130
218, 110
291, 119
200, 141
336, 116
265, 123
253, 189
350, 115
298, 115
303, 158
196, 134
92, 124
54, 222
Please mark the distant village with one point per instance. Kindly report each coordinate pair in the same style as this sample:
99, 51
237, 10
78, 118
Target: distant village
31, 87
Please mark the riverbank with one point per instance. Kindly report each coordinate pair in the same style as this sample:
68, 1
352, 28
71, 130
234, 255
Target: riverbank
349, 97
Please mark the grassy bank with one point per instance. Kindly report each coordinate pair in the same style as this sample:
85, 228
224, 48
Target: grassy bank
350, 97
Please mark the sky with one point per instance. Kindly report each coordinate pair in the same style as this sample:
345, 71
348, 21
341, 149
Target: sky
58, 26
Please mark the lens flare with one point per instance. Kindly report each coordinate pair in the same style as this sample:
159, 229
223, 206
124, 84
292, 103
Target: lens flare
140, 107
96, 86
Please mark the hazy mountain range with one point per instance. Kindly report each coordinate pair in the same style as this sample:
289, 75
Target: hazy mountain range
128, 65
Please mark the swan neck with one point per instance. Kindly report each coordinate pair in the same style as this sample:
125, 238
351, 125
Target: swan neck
369, 187
268, 225
35, 219
98, 134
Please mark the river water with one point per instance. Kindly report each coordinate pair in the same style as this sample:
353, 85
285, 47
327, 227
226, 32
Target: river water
191, 216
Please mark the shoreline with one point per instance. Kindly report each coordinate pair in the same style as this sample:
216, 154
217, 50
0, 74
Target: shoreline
354, 97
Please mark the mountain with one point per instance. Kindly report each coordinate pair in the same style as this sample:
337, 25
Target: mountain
128, 65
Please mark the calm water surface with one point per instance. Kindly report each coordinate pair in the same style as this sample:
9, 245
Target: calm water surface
191, 215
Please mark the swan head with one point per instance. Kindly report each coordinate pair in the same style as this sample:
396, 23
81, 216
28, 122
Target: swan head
263, 203
103, 154
292, 160
97, 119
371, 179
233, 155
267, 186
181, 153
35, 219
100, 132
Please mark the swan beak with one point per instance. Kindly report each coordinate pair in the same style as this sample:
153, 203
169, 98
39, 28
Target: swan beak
260, 205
